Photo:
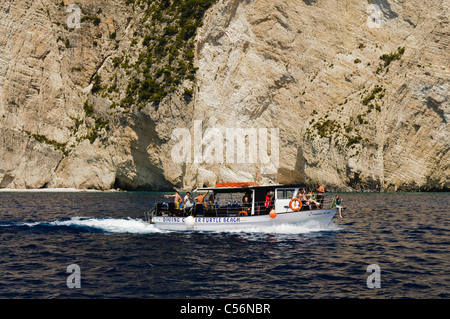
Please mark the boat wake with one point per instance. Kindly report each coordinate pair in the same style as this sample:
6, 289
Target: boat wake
89, 224
139, 226
290, 229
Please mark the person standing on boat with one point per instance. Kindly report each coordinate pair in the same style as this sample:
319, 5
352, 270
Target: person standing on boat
210, 201
199, 201
337, 204
187, 201
320, 192
268, 202
176, 201
176, 197
246, 203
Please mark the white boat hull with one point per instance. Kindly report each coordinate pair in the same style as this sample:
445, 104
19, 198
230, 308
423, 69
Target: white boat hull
211, 224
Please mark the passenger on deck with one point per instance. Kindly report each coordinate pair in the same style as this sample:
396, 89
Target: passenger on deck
210, 201
312, 199
301, 196
320, 191
246, 203
187, 201
176, 201
176, 196
337, 204
268, 201
199, 201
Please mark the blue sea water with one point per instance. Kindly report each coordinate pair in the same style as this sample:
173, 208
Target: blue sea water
120, 256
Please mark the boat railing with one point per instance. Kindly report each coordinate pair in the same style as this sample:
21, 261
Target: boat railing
148, 215
239, 208
262, 208
323, 203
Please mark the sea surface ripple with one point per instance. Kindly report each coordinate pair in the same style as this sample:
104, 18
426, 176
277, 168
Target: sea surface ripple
121, 256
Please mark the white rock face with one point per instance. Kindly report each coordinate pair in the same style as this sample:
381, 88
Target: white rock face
284, 64
356, 94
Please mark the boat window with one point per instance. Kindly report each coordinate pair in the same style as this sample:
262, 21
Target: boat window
226, 199
290, 193
285, 193
280, 194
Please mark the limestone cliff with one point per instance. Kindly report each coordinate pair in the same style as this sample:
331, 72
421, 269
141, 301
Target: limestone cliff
356, 90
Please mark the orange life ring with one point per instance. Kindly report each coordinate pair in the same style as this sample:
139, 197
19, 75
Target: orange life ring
242, 213
296, 209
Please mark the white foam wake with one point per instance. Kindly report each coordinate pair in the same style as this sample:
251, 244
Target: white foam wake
138, 226
290, 229
111, 225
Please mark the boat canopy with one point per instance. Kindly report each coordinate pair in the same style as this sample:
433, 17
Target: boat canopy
244, 187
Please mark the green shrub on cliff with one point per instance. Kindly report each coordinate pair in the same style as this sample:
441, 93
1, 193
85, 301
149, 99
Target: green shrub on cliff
167, 56
388, 58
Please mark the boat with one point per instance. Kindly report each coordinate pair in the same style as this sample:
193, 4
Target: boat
237, 206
